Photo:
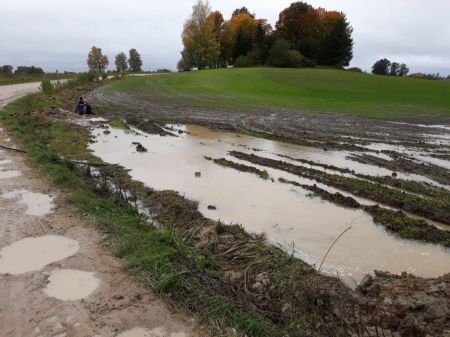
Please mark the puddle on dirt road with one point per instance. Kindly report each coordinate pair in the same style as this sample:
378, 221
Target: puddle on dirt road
71, 285
37, 204
288, 215
5, 161
10, 174
32, 254
156, 332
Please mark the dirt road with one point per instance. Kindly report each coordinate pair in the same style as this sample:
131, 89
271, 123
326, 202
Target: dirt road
55, 278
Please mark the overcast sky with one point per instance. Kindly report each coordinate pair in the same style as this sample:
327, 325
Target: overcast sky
57, 34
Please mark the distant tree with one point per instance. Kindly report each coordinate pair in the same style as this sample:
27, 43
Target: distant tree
381, 67
242, 10
335, 41
239, 36
299, 24
24, 70
355, 69
97, 62
403, 70
135, 61
394, 70
121, 62
281, 55
6, 69
215, 21
263, 39
243, 43
201, 48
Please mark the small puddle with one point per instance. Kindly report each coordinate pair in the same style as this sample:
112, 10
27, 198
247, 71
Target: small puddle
287, 214
10, 174
37, 204
71, 285
156, 332
32, 254
5, 161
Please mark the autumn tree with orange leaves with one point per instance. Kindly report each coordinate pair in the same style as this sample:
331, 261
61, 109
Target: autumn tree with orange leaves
304, 36
201, 45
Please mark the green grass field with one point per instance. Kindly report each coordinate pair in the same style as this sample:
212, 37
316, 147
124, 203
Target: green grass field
321, 90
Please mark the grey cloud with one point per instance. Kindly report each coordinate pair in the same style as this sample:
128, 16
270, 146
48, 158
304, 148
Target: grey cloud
58, 34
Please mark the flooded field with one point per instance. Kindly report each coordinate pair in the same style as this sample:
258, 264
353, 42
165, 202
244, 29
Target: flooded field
288, 215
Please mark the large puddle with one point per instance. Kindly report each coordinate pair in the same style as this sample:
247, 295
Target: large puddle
36, 204
156, 332
32, 254
288, 215
71, 285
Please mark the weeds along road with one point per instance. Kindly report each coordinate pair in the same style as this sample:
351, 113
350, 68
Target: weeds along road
55, 279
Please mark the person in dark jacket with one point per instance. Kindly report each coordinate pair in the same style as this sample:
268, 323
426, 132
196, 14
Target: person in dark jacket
80, 109
87, 107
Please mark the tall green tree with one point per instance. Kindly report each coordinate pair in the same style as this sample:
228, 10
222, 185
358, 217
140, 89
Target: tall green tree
335, 41
135, 61
395, 69
121, 63
403, 70
381, 67
97, 62
201, 47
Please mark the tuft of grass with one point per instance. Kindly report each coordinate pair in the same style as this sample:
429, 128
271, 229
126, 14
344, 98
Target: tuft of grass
117, 123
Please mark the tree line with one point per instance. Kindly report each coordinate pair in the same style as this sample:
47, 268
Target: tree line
303, 36
98, 62
388, 68
20, 70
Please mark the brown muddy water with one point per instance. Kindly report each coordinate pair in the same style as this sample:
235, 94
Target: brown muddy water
32, 254
288, 215
71, 285
156, 332
36, 204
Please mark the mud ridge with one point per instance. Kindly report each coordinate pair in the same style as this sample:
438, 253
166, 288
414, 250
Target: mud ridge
434, 210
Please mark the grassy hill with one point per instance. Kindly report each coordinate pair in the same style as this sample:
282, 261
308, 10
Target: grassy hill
322, 90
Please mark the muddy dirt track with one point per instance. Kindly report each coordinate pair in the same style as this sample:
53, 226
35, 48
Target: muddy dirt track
111, 305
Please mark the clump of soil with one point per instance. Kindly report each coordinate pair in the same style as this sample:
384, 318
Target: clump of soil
241, 167
140, 147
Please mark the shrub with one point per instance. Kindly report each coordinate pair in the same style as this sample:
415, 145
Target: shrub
280, 55
355, 69
242, 62
46, 87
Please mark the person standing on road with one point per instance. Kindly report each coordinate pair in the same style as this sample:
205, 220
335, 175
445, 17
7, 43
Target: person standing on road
80, 107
